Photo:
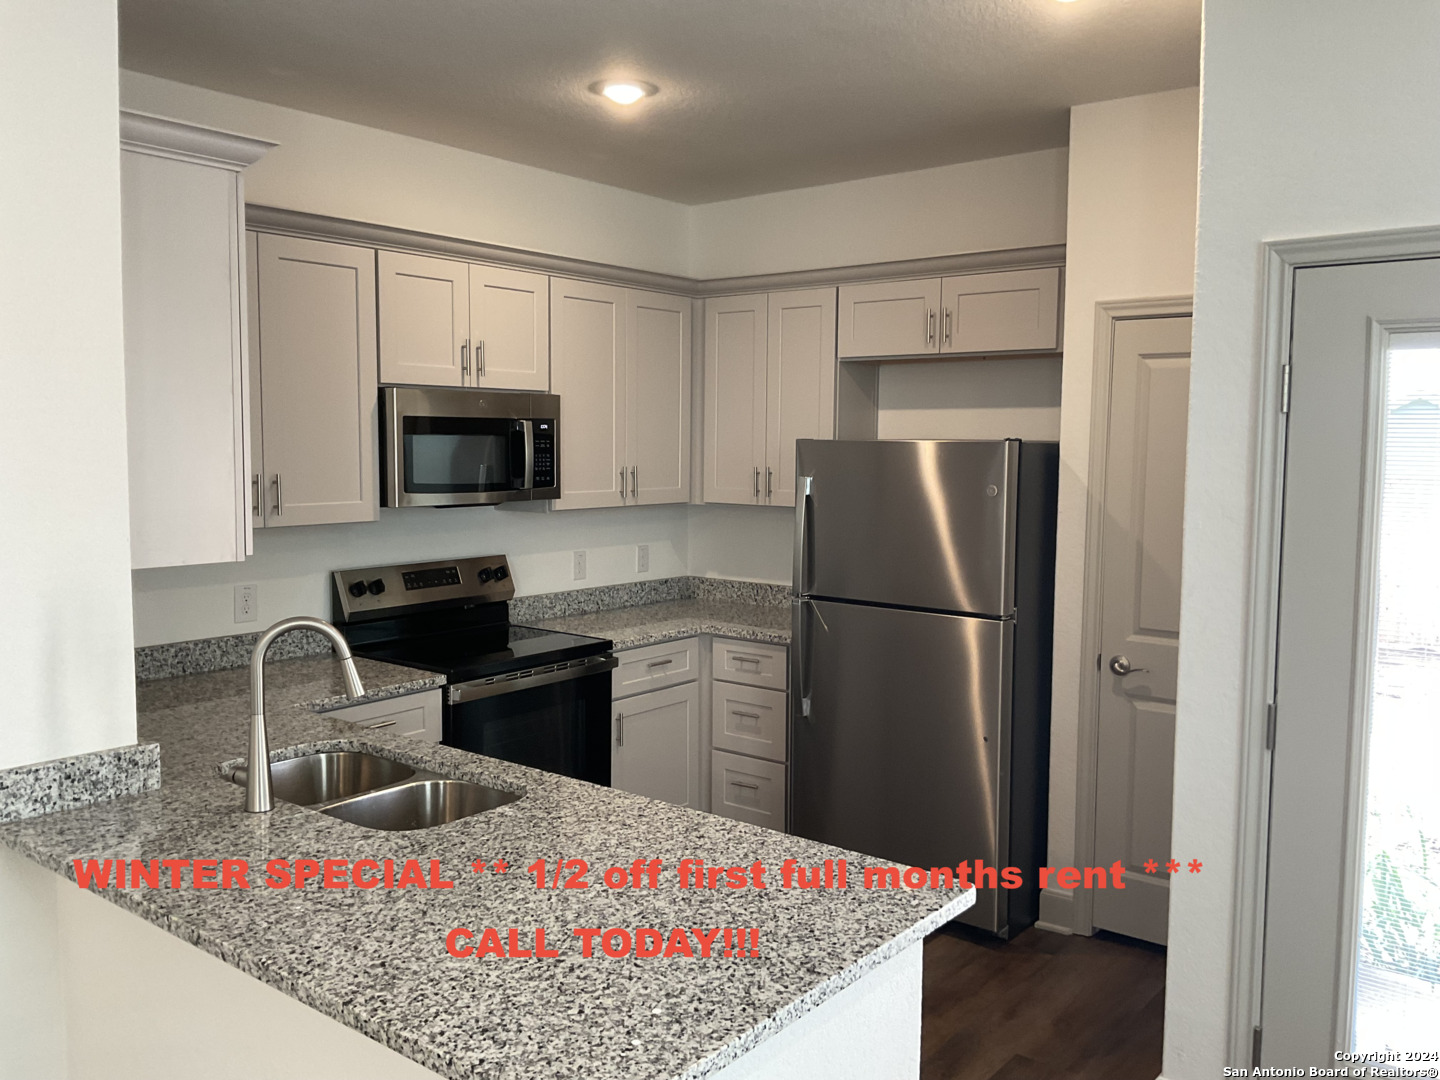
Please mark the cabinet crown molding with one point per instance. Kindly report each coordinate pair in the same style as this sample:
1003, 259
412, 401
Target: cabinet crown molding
163, 137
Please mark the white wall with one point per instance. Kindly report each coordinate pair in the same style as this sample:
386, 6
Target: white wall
65, 650
292, 565
1008, 202
751, 543
326, 166
1320, 117
1131, 235
999, 398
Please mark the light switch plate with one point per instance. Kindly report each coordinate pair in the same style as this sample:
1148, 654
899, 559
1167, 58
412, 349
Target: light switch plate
247, 600
642, 558
579, 566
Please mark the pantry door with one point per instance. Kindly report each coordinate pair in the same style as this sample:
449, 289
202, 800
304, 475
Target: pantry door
1352, 921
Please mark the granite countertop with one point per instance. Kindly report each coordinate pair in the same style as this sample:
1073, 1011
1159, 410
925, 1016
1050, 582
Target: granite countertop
375, 959
671, 620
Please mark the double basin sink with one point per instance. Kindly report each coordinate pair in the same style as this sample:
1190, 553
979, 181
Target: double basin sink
376, 792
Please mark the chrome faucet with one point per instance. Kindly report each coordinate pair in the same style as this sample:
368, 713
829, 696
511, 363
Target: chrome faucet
258, 799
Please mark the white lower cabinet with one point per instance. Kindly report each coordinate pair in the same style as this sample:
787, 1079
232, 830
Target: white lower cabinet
748, 720
416, 715
655, 745
747, 789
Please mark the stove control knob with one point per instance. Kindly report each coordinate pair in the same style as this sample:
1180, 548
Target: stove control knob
376, 587
501, 573
357, 589
485, 575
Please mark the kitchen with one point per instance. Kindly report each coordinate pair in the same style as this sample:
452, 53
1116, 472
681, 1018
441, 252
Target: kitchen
693, 345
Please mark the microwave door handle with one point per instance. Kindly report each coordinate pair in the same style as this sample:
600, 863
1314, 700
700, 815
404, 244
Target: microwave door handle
527, 428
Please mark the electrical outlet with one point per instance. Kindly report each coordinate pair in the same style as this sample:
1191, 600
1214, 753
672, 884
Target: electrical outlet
579, 566
642, 558
246, 602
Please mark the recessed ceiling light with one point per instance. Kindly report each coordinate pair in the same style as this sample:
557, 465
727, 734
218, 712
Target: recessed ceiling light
624, 93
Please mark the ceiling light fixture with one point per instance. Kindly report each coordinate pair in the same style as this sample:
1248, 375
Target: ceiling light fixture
624, 93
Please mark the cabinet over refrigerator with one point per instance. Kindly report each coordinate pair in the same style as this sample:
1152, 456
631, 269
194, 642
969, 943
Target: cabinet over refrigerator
922, 616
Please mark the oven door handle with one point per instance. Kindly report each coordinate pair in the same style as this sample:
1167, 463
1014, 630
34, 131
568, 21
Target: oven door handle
474, 691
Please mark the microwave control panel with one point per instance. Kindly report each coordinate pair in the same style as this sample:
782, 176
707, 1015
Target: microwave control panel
544, 453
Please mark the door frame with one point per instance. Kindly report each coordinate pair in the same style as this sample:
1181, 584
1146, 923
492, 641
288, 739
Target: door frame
1087, 761
1281, 260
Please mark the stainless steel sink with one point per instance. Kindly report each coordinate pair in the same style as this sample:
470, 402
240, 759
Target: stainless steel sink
336, 774
422, 804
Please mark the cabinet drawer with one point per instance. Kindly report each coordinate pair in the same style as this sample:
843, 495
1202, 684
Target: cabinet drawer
416, 715
655, 666
749, 663
748, 720
747, 789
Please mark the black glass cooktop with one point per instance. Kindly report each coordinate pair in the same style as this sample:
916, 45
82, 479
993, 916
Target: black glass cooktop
482, 651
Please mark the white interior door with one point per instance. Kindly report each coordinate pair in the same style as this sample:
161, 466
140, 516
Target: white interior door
735, 388
659, 385
800, 402
588, 369
1352, 920
1143, 505
424, 320
509, 328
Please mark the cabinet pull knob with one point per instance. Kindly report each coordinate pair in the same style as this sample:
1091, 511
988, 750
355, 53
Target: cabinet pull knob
620, 729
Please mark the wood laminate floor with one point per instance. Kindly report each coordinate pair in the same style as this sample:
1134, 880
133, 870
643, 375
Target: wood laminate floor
1042, 1007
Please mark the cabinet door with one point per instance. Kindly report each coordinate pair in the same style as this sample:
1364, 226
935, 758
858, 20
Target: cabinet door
889, 318
587, 360
317, 381
748, 720
655, 745
1017, 310
747, 789
658, 377
800, 403
509, 328
424, 320
256, 468
735, 387
184, 363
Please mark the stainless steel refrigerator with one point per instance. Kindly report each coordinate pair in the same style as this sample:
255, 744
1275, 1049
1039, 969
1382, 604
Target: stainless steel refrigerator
920, 657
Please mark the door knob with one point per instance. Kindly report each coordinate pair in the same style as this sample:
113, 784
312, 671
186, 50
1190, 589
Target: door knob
1121, 666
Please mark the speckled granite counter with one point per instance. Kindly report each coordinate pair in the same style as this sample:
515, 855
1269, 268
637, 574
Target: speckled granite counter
671, 620
375, 959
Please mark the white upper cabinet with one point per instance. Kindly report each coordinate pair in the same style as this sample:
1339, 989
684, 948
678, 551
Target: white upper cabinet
448, 323
736, 381
1015, 311
509, 329
889, 318
314, 461
620, 361
587, 356
800, 402
424, 320
969, 314
769, 380
658, 406
185, 365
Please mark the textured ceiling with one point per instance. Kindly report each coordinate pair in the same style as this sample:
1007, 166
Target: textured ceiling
755, 95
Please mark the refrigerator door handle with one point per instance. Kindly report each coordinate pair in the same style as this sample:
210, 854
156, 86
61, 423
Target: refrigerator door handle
802, 513
799, 673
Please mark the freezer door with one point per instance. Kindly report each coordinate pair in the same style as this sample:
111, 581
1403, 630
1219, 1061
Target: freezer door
918, 524
900, 737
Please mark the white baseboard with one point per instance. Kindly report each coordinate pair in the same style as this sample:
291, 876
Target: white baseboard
1057, 911
1052, 928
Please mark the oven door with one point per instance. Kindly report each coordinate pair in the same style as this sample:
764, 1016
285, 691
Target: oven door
456, 447
558, 721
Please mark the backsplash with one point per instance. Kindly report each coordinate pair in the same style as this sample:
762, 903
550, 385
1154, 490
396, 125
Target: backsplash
234, 650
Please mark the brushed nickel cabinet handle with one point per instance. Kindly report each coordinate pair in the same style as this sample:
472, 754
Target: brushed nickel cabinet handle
465, 362
634, 482
757, 481
279, 498
750, 787
255, 495
746, 715
622, 483
769, 482
948, 339
480, 358
930, 327
387, 723
620, 729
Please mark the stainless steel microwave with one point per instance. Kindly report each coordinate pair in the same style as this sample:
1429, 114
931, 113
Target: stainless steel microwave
454, 447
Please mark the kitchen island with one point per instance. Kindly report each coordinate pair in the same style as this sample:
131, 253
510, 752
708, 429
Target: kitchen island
375, 960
